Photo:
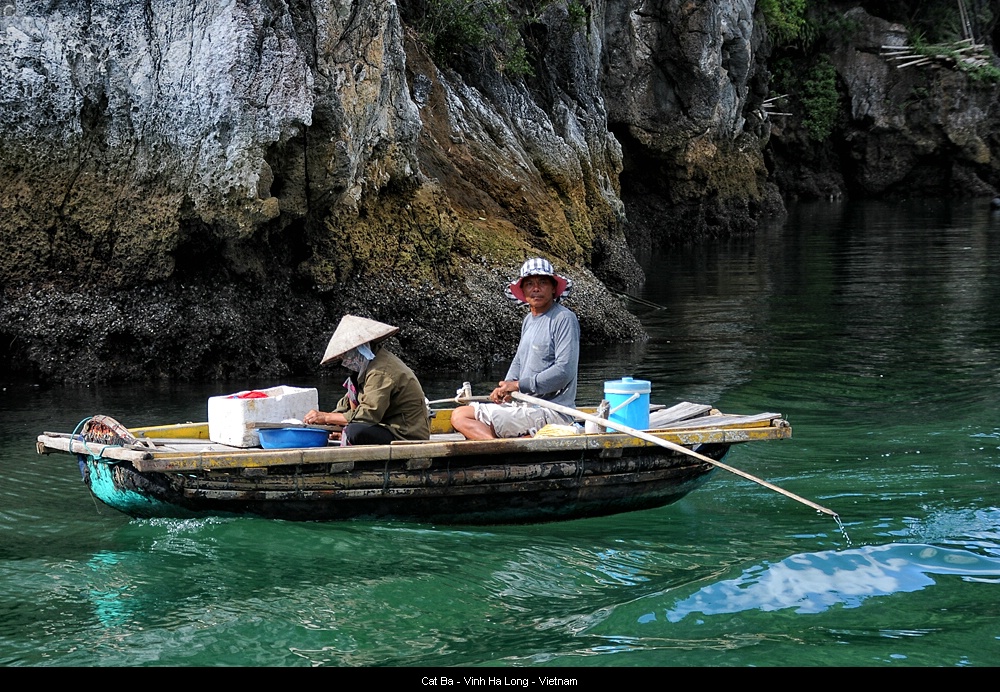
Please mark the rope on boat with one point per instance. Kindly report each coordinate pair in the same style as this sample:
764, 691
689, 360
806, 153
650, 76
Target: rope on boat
83, 438
458, 400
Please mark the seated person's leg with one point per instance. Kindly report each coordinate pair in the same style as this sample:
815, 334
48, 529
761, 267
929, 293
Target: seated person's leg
464, 420
367, 434
519, 421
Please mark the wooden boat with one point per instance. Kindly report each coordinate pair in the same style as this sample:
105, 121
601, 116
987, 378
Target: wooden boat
176, 471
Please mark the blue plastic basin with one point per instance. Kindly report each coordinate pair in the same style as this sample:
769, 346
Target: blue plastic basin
285, 438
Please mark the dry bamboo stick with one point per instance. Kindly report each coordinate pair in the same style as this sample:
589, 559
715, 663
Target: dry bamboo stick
922, 61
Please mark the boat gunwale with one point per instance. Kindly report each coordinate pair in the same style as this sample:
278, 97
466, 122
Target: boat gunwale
147, 460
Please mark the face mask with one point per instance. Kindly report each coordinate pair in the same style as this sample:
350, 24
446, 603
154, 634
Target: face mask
353, 360
357, 358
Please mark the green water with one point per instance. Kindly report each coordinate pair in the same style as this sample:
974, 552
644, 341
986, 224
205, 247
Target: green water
874, 329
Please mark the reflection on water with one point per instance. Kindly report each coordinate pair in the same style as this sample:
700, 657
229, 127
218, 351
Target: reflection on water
814, 582
108, 591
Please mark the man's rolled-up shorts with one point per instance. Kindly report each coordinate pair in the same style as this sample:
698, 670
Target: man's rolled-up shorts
517, 419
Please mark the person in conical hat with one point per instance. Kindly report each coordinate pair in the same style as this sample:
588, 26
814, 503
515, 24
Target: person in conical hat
353, 332
545, 365
387, 403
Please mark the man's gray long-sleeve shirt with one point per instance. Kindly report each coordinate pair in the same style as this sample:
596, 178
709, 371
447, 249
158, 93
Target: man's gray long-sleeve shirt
545, 364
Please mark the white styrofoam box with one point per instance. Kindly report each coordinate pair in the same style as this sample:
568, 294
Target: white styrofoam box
231, 420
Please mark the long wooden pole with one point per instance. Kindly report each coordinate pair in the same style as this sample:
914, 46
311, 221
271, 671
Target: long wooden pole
642, 435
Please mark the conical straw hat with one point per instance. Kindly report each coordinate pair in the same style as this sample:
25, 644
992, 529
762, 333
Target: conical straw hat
354, 331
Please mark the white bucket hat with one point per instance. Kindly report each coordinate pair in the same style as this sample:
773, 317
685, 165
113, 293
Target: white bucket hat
353, 332
538, 266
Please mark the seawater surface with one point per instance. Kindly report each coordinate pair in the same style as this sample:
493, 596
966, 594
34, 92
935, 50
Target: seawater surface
873, 328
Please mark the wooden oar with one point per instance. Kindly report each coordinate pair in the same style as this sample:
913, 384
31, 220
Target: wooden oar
669, 445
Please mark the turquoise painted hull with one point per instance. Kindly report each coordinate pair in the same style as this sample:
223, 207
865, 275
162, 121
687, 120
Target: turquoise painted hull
107, 486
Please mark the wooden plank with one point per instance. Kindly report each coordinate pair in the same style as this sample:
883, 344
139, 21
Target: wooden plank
682, 411
193, 454
47, 443
166, 462
725, 421
198, 431
571, 483
500, 450
188, 446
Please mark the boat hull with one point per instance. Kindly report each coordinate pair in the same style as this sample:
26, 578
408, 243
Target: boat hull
178, 471
548, 487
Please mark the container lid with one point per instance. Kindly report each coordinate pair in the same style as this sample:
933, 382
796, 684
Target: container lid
627, 385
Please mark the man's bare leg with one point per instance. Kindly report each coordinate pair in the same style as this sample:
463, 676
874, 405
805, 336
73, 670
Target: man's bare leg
463, 419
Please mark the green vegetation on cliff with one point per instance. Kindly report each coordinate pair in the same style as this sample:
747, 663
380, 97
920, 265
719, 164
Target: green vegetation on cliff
785, 18
450, 28
804, 34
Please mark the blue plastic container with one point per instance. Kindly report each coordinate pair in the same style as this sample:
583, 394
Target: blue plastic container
287, 438
633, 412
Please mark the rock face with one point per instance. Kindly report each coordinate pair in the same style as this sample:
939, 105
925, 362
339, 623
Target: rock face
142, 136
925, 129
201, 189
685, 76
195, 189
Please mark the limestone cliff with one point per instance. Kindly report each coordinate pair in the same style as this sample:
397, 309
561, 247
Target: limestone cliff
201, 189
687, 81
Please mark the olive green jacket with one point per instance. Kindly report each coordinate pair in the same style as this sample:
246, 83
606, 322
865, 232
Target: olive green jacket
389, 395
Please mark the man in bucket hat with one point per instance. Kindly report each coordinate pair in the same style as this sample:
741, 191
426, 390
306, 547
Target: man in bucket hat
388, 402
545, 365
